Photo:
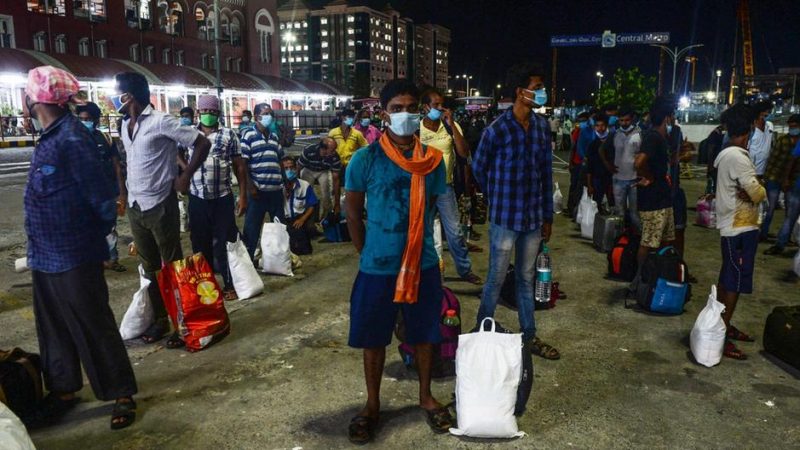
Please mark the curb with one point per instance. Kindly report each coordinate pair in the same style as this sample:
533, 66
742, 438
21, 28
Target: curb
12, 144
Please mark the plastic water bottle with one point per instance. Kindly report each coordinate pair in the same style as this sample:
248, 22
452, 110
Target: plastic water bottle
544, 276
451, 318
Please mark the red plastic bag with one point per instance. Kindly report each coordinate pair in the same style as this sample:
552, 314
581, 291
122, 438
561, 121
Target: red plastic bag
194, 301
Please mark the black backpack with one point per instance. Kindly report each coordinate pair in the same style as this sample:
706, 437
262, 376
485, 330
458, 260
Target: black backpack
622, 264
662, 286
20, 382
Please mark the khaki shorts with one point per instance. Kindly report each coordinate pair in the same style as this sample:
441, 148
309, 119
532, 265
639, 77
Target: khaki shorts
658, 227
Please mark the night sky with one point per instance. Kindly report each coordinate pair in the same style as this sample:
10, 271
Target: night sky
490, 35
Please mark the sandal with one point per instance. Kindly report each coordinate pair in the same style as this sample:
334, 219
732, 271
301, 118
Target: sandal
50, 409
546, 351
472, 279
732, 352
123, 414
362, 429
229, 294
155, 332
439, 419
175, 341
736, 334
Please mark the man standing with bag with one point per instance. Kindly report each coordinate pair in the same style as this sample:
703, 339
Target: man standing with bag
151, 139
321, 163
399, 268
211, 204
261, 150
441, 132
70, 207
514, 167
738, 194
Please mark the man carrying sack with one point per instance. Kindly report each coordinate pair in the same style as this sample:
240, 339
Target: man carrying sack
399, 268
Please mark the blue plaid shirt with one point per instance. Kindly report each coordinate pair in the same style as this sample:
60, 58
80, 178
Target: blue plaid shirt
515, 170
70, 200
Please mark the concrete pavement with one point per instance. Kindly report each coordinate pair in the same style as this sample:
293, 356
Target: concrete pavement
285, 377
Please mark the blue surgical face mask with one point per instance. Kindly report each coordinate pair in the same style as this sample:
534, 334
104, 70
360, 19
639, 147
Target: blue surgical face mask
434, 114
669, 129
117, 101
290, 174
365, 123
591, 122
88, 124
583, 125
245, 119
602, 135
794, 132
349, 121
266, 120
539, 96
612, 121
404, 124
185, 121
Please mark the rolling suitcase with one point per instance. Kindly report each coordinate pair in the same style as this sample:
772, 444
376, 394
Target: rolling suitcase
782, 334
607, 228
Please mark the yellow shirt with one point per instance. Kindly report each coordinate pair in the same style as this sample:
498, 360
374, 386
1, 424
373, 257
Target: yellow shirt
346, 147
443, 142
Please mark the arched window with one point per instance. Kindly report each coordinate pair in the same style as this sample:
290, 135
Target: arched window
265, 27
236, 31
211, 31
170, 17
200, 20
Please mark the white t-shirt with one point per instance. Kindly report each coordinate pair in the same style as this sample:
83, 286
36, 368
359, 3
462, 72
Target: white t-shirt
760, 145
735, 172
626, 146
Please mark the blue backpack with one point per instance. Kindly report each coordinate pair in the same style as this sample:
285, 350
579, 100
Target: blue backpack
662, 287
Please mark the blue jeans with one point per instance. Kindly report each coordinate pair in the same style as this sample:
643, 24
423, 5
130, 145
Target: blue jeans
266, 202
625, 200
792, 213
448, 212
773, 193
502, 242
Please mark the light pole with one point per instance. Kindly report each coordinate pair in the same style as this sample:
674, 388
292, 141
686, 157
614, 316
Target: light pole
675, 56
466, 77
289, 38
719, 74
599, 81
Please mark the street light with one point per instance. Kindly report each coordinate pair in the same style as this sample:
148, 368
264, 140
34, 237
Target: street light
466, 77
289, 38
675, 55
599, 80
719, 74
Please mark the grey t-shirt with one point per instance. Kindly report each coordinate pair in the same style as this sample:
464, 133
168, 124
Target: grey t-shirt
626, 146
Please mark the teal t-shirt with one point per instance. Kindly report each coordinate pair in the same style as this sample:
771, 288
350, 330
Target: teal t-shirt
388, 189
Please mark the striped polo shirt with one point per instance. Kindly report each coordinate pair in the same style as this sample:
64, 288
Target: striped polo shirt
263, 159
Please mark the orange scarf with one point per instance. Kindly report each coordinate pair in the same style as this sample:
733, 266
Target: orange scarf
407, 288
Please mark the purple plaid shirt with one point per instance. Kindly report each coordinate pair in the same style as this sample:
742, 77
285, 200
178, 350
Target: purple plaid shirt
515, 170
70, 200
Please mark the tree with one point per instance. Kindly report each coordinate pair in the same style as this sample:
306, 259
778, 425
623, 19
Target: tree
630, 88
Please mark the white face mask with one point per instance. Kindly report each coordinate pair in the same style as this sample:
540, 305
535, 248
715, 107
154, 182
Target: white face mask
37, 126
404, 124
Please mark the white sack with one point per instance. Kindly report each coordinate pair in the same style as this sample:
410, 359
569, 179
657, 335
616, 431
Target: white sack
246, 280
587, 209
139, 315
558, 200
13, 435
708, 334
275, 255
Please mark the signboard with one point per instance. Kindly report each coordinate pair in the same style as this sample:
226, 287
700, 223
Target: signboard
609, 39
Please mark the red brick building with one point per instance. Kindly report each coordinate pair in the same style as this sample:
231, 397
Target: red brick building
174, 32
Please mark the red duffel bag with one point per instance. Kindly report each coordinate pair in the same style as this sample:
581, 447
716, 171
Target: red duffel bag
194, 301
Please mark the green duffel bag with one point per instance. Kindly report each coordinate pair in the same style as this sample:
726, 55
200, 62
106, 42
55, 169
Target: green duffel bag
782, 334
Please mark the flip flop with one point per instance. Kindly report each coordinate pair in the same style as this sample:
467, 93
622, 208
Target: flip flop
439, 419
175, 341
546, 351
155, 332
730, 351
737, 335
123, 414
361, 430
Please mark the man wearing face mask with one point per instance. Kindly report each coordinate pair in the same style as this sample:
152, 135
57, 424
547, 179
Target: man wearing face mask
576, 164
211, 200
761, 139
598, 177
151, 139
347, 138
620, 162
399, 267
441, 132
261, 150
299, 204
363, 124
514, 167
89, 114
320, 163
187, 116
783, 174
611, 112
69, 209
